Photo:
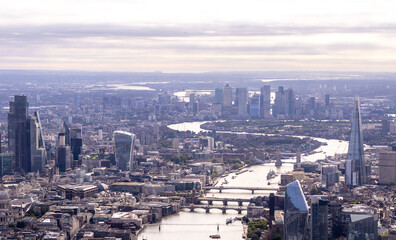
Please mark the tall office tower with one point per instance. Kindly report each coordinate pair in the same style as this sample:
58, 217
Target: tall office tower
255, 106
319, 219
242, 101
295, 212
18, 135
65, 129
6, 167
355, 166
227, 96
192, 101
63, 156
265, 101
38, 153
311, 106
327, 100
218, 96
124, 142
279, 107
290, 102
336, 223
387, 167
76, 145
330, 175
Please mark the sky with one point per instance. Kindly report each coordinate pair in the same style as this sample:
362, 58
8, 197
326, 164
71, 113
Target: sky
198, 36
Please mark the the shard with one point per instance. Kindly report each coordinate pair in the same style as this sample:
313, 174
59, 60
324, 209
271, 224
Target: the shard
356, 173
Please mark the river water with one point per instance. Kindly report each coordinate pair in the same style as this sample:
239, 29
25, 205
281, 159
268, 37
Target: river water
199, 225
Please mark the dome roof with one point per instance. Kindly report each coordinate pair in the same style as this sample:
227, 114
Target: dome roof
3, 195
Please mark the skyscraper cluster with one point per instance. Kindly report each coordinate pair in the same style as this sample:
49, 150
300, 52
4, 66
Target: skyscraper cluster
244, 106
25, 137
69, 148
285, 103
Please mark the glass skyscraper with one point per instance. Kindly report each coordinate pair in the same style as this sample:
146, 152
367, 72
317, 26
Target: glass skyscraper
363, 226
319, 219
255, 106
265, 101
242, 101
295, 212
25, 138
124, 142
227, 96
355, 166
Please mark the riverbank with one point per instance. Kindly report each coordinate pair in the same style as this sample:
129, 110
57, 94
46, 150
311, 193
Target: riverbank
199, 225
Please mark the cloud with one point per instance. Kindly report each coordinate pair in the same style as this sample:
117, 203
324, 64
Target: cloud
221, 46
208, 30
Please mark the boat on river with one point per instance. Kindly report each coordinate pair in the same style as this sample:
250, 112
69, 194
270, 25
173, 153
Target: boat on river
215, 236
271, 174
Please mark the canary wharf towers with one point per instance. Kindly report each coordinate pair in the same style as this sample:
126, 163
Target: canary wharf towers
356, 171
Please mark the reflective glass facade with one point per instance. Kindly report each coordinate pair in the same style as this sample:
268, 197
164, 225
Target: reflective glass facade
355, 167
296, 212
124, 142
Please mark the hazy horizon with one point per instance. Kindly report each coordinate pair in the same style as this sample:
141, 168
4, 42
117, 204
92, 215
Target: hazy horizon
194, 37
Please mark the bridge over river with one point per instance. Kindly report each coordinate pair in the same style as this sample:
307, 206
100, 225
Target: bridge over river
221, 188
223, 209
225, 201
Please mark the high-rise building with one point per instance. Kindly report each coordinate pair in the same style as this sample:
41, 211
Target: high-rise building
295, 212
63, 156
319, 219
242, 101
327, 100
38, 153
6, 167
76, 145
227, 96
355, 166
18, 135
25, 138
218, 96
124, 143
265, 101
311, 106
330, 175
363, 226
290, 103
255, 106
279, 107
65, 129
191, 101
387, 167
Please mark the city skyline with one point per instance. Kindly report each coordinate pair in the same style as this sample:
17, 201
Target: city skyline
183, 36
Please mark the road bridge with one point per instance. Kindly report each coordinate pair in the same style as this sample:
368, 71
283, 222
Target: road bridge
223, 209
221, 188
225, 201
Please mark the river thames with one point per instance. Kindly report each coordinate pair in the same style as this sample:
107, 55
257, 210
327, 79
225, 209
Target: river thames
199, 224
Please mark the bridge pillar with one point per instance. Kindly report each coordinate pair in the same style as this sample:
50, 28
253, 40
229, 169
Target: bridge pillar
207, 209
191, 209
225, 203
220, 190
239, 203
210, 202
223, 210
239, 210
252, 191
